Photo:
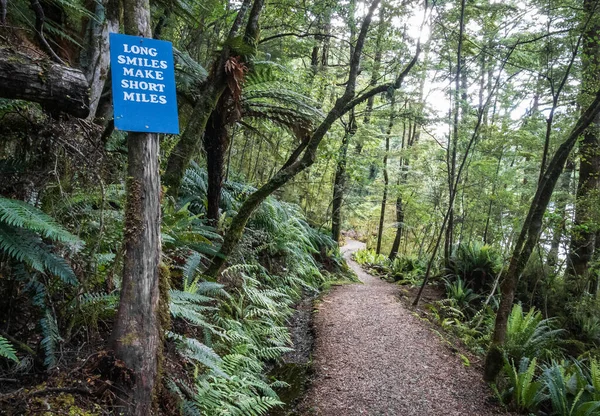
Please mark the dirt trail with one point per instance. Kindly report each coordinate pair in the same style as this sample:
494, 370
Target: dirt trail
374, 357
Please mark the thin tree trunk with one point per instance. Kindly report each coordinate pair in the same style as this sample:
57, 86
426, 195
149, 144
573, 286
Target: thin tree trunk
399, 202
216, 142
491, 201
343, 105
339, 185
96, 56
454, 141
529, 236
386, 178
136, 337
560, 213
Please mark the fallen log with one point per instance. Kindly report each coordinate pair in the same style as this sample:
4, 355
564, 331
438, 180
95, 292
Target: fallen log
56, 87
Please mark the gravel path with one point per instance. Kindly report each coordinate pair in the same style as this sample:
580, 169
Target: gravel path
374, 357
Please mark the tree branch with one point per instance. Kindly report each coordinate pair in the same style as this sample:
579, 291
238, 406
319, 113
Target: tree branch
52, 85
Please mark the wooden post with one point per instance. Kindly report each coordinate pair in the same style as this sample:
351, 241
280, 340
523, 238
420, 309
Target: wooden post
136, 335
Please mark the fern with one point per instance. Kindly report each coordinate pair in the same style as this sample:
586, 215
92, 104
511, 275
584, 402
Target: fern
51, 339
529, 335
569, 390
7, 350
20, 214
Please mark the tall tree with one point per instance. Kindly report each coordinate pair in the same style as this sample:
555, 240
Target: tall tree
530, 234
209, 93
582, 245
386, 177
459, 76
307, 156
339, 184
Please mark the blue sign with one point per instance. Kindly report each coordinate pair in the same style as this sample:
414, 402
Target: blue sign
143, 84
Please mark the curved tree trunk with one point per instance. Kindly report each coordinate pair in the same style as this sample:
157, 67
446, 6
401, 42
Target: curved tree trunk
343, 105
209, 94
529, 237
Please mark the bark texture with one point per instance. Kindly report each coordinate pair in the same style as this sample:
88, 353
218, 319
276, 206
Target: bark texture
339, 185
529, 236
583, 239
137, 335
386, 178
96, 57
54, 86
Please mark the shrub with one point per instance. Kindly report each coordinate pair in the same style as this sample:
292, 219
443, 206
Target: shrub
530, 335
476, 264
523, 393
461, 296
407, 268
572, 390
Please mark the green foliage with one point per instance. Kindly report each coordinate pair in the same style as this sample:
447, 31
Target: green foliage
461, 296
584, 320
530, 335
22, 215
523, 393
370, 258
476, 264
7, 350
22, 227
407, 269
570, 389
51, 339
239, 324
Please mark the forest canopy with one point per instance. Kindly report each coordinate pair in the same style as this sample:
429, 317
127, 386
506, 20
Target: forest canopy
458, 139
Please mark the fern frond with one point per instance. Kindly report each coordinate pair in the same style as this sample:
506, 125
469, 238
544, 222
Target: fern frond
21, 214
50, 340
7, 350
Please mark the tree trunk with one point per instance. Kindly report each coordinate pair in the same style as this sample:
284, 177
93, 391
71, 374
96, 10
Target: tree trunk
216, 142
582, 245
399, 222
96, 57
342, 106
374, 72
453, 145
136, 337
54, 86
529, 236
339, 185
386, 179
560, 213
209, 94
